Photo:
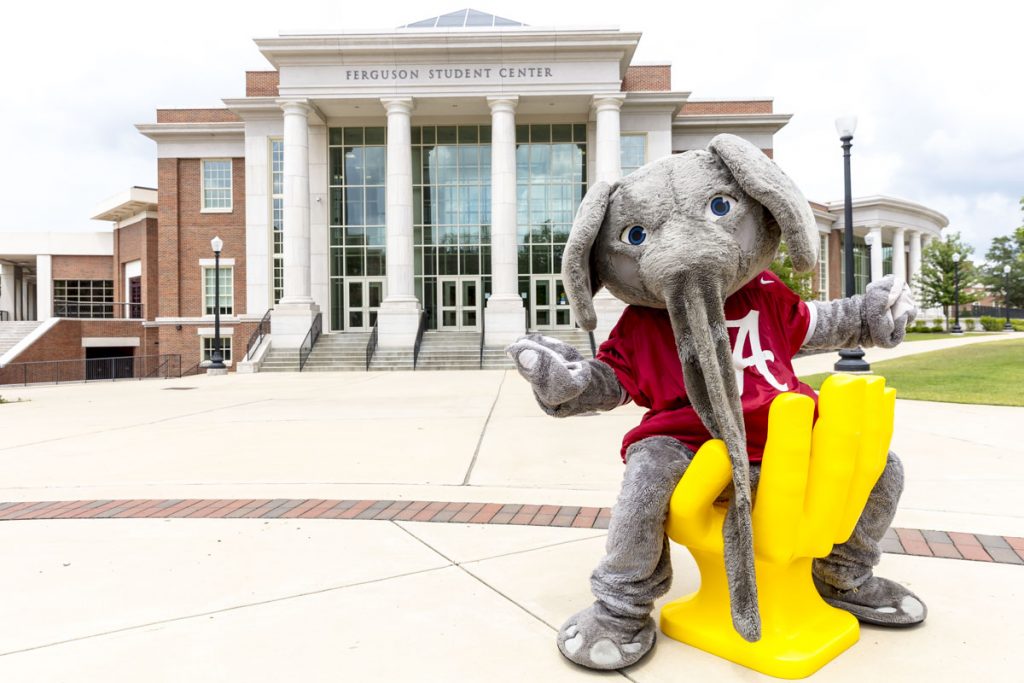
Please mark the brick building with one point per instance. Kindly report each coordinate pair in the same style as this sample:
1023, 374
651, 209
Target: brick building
408, 179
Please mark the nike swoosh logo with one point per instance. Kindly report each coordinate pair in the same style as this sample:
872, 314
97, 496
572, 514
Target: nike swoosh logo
766, 282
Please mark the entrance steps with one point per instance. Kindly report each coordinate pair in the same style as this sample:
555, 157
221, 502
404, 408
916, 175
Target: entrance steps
346, 351
13, 332
335, 352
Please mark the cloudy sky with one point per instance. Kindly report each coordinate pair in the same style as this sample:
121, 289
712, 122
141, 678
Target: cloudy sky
937, 91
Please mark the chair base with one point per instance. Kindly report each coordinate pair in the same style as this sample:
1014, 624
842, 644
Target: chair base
800, 633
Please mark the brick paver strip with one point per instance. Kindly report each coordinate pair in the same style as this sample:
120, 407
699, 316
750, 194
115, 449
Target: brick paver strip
467, 513
486, 514
964, 539
446, 513
990, 542
356, 509
410, 511
1005, 556
946, 550
934, 537
927, 542
301, 510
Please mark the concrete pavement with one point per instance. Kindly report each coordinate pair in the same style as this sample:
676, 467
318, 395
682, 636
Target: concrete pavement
186, 599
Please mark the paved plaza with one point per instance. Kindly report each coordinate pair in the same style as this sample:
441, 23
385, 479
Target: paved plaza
415, 527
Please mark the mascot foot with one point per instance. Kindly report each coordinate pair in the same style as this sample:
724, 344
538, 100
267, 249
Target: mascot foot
597, 639
878, 601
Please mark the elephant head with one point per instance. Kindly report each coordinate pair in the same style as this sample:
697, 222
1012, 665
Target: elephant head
682, 234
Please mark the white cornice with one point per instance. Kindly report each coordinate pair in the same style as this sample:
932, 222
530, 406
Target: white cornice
126, 204
253, 108
510, 44
899, 206
705, 123
669, 101
181, 132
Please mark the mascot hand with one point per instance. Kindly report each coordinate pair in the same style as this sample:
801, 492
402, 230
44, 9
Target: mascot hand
888, 308
556, 370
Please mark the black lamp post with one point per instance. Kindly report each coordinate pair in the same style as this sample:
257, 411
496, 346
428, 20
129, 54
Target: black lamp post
850, 360
1007, 327
956, 329
217, 358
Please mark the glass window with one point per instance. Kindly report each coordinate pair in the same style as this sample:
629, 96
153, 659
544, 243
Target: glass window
632, 151
277, 213
84, 299
216, 184
225, 349
823, 267
227, 290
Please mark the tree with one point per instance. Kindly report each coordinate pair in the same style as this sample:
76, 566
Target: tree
1007, 250
936, 281
801, 284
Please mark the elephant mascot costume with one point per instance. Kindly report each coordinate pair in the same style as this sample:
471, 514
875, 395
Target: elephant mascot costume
686, 242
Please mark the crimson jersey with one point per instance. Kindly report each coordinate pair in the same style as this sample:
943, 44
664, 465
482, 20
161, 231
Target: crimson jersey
767, 325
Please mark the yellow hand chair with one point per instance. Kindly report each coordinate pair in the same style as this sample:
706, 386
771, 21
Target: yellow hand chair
814, 484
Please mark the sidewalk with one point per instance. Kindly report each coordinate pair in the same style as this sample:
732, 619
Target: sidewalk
251, 568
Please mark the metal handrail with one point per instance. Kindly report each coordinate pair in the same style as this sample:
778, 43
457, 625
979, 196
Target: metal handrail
371, 346
310, 341
168, 365
526, 312
97, 310
256, 338
593, 344
194, 370
483, 335
419, 339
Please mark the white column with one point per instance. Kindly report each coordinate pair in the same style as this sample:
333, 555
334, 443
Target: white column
609, 161
399, 314
7, 289
608, 167
504, 312
44, 286
876, 254
915, 257
294, 314
899, 255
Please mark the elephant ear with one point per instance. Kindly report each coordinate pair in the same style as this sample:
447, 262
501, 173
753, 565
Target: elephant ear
763, 180
578, 274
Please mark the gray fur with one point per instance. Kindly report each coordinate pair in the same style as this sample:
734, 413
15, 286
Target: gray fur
861, 320
636, 569
564, 384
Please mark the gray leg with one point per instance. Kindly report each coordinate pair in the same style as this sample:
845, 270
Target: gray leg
845, 578
617, 630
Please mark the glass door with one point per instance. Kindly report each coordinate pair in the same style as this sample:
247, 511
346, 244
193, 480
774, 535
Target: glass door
550, 304
363, 297
458, 303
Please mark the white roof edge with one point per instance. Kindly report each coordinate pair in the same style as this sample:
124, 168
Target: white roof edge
321, 33
125, 204
897, 203
752, 98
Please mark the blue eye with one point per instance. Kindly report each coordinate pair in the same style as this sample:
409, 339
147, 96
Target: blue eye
635, 235
720, 205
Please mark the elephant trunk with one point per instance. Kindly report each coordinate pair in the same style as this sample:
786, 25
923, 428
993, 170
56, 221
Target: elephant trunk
695, 302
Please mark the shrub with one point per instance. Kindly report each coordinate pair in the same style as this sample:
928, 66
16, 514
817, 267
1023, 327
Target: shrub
1018, 325
991, 324
969, 324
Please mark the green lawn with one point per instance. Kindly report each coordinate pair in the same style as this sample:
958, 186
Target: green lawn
991, 373
924, 336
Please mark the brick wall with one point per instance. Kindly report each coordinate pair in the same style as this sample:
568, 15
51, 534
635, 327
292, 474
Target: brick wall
835, 262
262, 83
195, 116
186, 341
727, 107
185, 233
137, 242
657, 78
83, 268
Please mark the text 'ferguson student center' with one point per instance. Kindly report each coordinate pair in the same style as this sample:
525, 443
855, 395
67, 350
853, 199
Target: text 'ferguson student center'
408, 183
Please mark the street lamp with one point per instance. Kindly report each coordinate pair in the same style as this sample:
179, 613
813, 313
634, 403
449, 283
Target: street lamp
217, 358
850, 360
956, 329
1007, 327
